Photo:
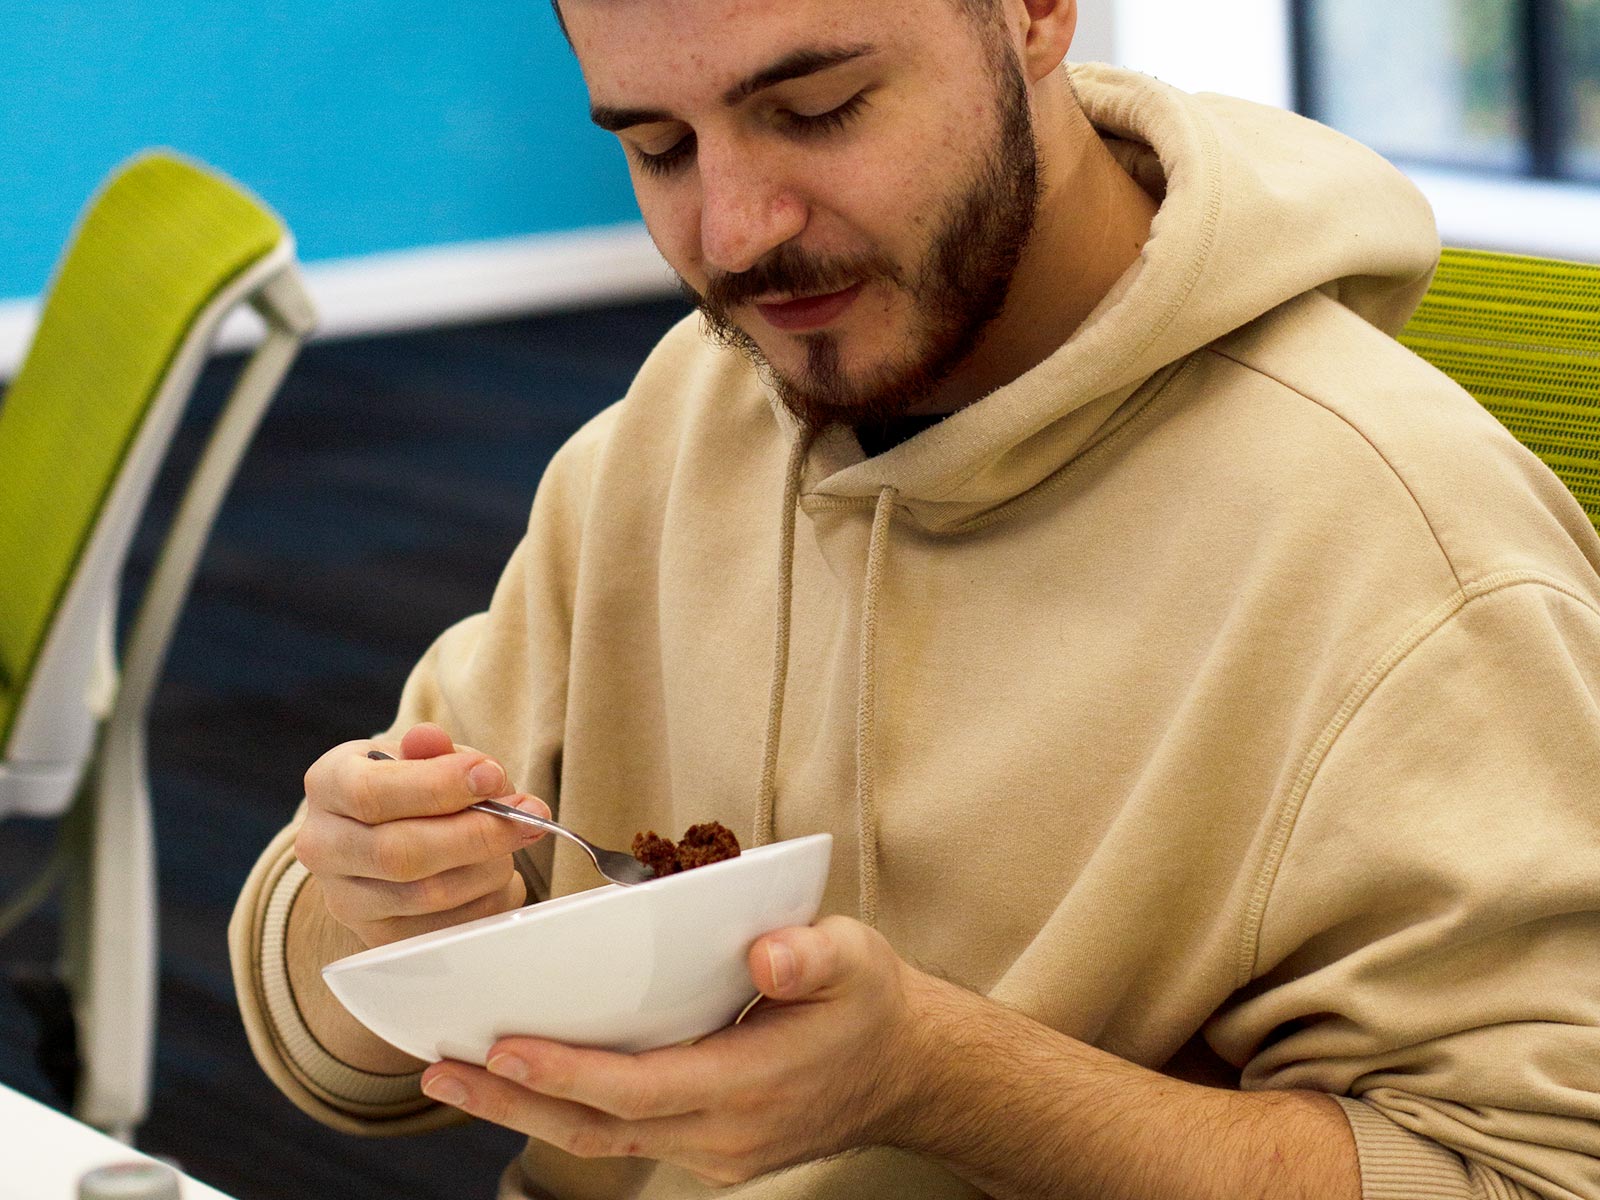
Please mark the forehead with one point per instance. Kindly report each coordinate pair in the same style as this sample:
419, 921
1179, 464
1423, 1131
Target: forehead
651, 51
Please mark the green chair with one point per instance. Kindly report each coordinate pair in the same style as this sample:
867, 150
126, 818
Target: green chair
159, 257
1523, 336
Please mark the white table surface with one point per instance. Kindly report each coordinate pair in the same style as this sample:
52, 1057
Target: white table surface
42, 1153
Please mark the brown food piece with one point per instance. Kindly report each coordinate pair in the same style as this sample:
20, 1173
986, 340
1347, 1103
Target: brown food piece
705, 843
656, 852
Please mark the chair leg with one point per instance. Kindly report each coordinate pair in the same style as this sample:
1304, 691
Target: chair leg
113, 973
111, 965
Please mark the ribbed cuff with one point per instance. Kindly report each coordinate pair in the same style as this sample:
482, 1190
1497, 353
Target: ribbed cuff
1399, 1165
337, 1081
333, 1092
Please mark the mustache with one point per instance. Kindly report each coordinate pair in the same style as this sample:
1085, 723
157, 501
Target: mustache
787, 270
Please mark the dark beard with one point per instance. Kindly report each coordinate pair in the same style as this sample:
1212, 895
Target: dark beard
958, 292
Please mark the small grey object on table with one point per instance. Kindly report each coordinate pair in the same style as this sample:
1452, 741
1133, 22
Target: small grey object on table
130, 1181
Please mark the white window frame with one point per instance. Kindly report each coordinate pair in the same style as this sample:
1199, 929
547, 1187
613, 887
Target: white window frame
1242, 47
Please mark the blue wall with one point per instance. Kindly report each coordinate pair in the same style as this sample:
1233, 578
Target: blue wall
370, 125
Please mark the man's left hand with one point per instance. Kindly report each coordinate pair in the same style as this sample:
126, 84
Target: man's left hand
822, 1065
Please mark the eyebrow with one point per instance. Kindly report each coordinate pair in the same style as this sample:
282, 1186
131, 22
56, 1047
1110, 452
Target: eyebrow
791, 66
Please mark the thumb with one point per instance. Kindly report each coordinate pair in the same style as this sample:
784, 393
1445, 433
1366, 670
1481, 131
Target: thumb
800, 963
425, 741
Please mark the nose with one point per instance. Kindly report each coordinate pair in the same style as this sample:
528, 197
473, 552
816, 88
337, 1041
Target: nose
747, 209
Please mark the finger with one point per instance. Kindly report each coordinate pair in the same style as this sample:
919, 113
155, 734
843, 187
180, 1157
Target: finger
713, 1150
437, 893
632, 1087
375, 791
580, 1131
376, 929
803, 962
426, 741
322, 775
409, 849
412, 849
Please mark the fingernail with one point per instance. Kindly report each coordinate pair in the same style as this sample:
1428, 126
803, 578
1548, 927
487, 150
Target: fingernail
445, 1090
532, 804
781, 959
486, 779
509, 1066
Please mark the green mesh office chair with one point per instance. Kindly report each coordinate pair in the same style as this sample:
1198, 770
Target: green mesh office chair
159, 257
1523, 336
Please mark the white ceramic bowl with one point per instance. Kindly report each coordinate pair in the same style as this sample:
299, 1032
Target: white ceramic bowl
621, 968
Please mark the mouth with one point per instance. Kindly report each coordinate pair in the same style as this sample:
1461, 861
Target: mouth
805, 314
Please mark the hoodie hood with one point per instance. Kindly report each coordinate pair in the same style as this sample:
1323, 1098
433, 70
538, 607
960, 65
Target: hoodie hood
1257, 207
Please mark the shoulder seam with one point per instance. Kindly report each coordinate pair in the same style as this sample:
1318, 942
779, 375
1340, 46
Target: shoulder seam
1360, 433
1289, 812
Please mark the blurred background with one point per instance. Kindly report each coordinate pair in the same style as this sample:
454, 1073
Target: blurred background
434, 163
1504, 86
485, 286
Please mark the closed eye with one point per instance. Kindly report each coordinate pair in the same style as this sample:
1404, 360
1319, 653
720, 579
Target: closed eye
821, 124
668, 160
798, 125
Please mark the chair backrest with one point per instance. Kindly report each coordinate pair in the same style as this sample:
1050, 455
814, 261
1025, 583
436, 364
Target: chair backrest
1522, 335
151, 254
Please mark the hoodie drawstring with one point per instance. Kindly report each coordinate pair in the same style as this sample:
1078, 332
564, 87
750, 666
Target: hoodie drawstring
767, 799
866, 707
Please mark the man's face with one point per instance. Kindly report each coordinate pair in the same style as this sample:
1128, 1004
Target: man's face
844, 188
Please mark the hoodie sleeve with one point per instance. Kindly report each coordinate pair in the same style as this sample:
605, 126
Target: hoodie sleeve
1428, 947
496, 681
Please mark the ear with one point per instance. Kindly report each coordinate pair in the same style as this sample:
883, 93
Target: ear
1051, 26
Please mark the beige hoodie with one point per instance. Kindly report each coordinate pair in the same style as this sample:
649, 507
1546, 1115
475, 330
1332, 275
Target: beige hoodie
1265, 663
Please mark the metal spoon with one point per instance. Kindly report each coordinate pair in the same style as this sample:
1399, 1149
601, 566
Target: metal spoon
613, 864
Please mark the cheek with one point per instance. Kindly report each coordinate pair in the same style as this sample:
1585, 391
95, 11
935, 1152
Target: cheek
674, 227
896, 198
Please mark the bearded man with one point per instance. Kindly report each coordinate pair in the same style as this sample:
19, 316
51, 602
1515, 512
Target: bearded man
1202, 692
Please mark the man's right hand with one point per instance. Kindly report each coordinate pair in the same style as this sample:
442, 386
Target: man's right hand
392, 847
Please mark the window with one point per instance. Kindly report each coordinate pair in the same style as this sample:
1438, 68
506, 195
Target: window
1510, 87
1256, 49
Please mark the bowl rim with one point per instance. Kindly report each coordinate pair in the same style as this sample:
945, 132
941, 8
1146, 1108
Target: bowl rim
528, 913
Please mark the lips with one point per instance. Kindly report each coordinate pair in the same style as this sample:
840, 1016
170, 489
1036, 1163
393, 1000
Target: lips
809, 312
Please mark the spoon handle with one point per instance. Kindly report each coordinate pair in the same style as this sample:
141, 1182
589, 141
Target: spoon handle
613, 864
527, 818
516, 814
503, 810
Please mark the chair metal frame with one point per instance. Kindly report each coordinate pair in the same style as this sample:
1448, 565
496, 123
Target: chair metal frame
79, 735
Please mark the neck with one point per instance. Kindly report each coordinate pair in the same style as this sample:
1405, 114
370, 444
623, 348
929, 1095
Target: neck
1092, 224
